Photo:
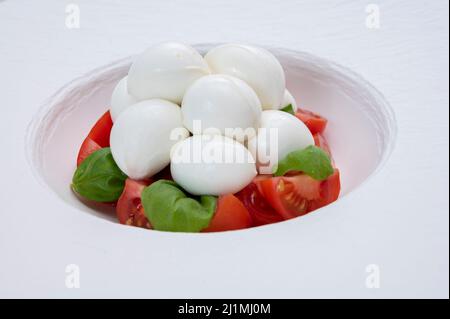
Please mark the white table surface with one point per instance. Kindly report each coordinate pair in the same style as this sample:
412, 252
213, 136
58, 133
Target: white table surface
397, 220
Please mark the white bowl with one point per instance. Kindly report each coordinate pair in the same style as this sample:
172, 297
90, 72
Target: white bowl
361, 129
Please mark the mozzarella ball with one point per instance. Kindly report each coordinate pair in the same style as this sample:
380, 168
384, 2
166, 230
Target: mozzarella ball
224, 103
280, 133
165, 71
289, 99
258, 67
211, 165
121, 99
142, 136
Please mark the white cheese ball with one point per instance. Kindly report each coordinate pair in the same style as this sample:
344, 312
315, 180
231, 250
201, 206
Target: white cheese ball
165, 71
211, 165
121, 99
222, 102
289, 99
142, 136
289, 134
258, 67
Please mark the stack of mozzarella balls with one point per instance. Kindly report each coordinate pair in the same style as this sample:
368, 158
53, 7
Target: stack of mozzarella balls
174, 99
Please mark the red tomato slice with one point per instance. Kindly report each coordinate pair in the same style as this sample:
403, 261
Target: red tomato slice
290, 196
329, 190
230, 214
320, 141
101, 130
260, 210
313, 121
129, 207
97, 138
87, 148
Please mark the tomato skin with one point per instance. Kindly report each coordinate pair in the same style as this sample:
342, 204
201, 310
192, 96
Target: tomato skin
101, 130
291, 196
320, 141
230, 214
87, 148
261, 212
97, 138
329, 190
129, 207
314, 122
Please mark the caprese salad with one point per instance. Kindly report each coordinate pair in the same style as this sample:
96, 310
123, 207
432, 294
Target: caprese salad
210, 143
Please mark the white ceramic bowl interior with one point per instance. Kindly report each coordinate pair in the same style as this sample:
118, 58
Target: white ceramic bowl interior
361, 130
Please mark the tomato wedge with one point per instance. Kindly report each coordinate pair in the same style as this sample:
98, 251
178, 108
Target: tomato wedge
290, 196
129, 206
293, 196
97, 138
87, 148
101, 130
261, 212
313, 121
329, 190
230, 214
320, 141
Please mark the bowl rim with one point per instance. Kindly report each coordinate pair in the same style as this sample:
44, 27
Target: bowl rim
384, 120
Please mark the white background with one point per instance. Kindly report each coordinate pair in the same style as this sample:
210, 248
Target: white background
397, 220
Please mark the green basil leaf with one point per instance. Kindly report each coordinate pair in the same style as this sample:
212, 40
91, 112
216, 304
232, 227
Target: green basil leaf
289, 109
312, 161
168, 208
98, 177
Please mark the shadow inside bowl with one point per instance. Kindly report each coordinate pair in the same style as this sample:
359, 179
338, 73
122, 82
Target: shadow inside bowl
361, 130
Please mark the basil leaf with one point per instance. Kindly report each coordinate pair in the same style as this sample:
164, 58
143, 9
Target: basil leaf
289, 109
168, 208
312, 161
98, 177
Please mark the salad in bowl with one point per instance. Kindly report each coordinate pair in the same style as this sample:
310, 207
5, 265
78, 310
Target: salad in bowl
194, 143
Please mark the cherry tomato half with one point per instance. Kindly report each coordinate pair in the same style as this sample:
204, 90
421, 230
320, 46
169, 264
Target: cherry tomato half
97, 138
329, 190
129, 206
261, 212
313, 121
87, 148
230, 214
320, 141
290, 196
